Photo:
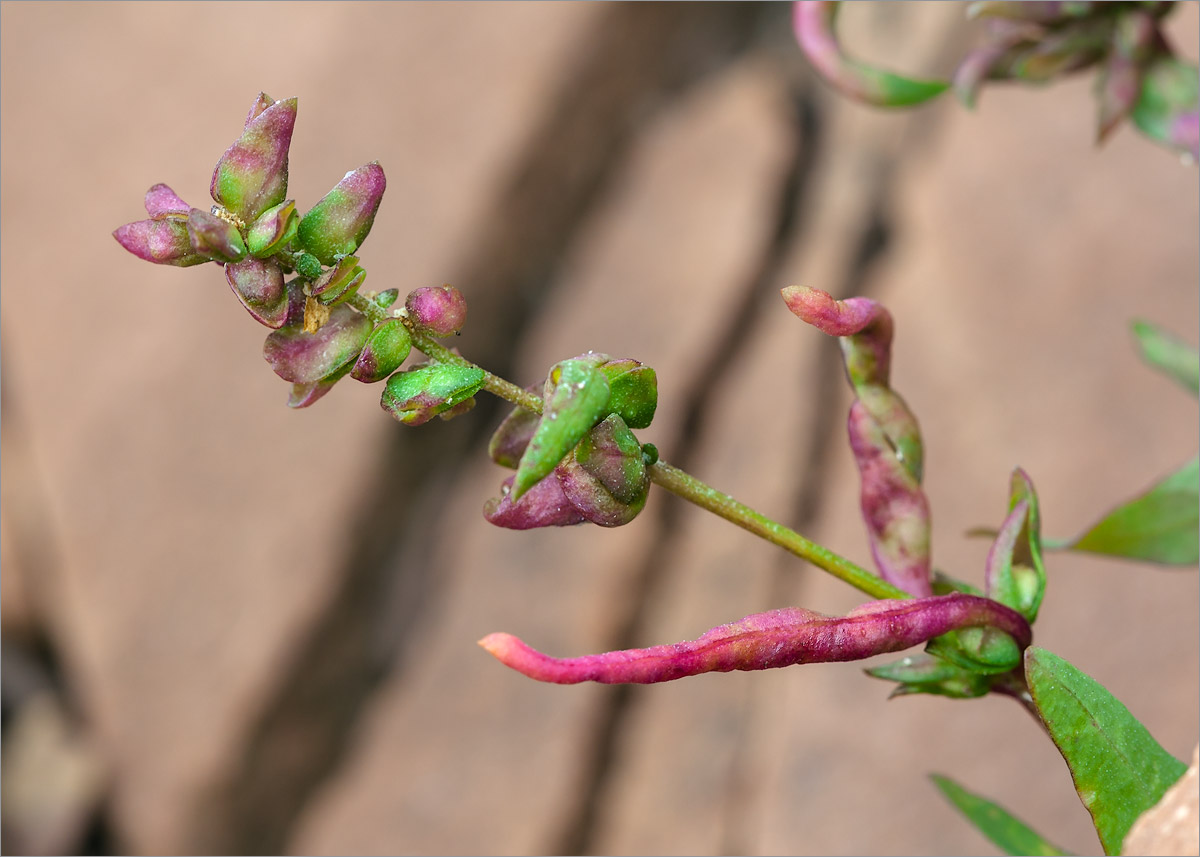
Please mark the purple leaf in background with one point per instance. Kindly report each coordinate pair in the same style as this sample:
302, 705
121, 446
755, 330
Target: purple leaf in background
779, 638
813, 23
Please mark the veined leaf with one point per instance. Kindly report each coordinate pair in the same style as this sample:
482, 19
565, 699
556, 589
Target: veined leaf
1119, 770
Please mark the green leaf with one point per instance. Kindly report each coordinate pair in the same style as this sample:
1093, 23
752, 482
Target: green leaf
1162, 525
1172, 356
927, 674
1119, 770
986, 651
576, 399
1009, 834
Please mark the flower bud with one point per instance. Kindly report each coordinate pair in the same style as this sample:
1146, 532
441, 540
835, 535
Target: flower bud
440, 310
386, 348
303, 357
543, 505
273, 229
339, 223
258, 284
606, 479
420, 394
339, 282
213, 237
252, 174
576, 397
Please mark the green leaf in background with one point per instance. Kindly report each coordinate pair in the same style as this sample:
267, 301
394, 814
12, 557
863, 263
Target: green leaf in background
927, 674
1167, 106
1007, 833
1119, 770
1161, 525
1173, 357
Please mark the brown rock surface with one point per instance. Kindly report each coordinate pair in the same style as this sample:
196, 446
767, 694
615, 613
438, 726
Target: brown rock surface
204, 537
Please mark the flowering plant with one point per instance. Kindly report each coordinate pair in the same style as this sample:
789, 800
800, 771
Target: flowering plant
571, 442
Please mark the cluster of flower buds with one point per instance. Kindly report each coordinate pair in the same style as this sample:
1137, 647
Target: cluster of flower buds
321, 332
1141, 78
578, 461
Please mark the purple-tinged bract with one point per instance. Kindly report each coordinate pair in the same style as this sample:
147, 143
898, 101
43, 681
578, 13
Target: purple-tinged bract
543, 505
216, 238
258, 284
304, 358
252, 175
339, 223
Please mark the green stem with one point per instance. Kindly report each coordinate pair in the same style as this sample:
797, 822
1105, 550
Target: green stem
671, 478
706, 497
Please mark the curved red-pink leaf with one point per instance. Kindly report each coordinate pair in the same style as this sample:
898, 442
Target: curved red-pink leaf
894, 507
779, 638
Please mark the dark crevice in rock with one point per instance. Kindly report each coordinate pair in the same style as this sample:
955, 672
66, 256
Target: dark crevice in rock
757, 295
631, 62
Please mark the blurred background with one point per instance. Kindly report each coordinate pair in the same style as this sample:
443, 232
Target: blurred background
229, 627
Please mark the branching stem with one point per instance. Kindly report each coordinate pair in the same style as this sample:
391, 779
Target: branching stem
671, 478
